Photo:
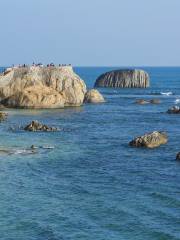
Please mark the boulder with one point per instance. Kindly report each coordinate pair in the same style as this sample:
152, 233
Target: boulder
35, 126
174, 110
3, 116
150, 140
41, 87
178, 156
93, 96
127, 78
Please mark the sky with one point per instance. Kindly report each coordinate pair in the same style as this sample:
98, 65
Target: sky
90, 32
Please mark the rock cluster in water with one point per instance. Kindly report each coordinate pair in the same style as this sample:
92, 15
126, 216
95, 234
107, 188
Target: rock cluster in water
150, 140
41, 87
93, 96
174, 110
35, 126
124, 79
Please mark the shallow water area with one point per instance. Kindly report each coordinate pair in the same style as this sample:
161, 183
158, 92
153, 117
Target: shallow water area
85, 182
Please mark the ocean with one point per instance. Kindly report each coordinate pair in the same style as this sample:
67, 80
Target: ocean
85, 182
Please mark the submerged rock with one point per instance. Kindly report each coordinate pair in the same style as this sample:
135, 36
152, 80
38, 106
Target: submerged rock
178, 156
41, 87
128, 78
150, 140
16, 151
174, 110
3, 116
151, 101
35, 126
155, 101
142, 101
93, 96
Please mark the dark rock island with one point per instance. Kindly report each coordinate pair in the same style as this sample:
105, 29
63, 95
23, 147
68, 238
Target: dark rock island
127, 78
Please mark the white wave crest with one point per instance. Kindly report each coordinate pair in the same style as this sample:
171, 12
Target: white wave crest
166, 93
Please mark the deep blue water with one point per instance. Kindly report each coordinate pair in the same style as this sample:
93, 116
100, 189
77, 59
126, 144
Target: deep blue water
92, 185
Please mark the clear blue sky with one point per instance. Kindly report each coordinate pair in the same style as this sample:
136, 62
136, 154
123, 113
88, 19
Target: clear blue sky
90, 32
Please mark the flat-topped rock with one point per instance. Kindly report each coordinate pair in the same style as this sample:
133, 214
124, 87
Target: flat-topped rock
41, 87
127, 78
150, 140
93, 96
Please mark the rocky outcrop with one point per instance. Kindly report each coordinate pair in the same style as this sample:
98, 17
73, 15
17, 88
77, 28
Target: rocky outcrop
150, 140
41, 87
124, 79
174, 110
93, 96
3, 116
178, 156
35, 126
152, 101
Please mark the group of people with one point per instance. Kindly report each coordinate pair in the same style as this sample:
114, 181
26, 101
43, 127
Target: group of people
6, 70
41, 65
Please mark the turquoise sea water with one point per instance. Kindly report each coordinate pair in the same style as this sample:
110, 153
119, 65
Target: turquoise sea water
92, 185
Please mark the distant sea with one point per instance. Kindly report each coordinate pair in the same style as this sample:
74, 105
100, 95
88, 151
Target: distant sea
90, 185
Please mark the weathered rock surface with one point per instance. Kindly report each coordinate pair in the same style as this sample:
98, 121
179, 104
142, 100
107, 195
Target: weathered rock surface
93, 96
124, 79
178, 156
35, 126
152, 101
41, 87
3, 116
150, 140
174, 110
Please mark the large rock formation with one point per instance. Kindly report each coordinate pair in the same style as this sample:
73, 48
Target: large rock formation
41, 87
93, 96
124, 79
150, 140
